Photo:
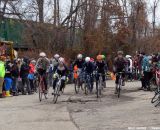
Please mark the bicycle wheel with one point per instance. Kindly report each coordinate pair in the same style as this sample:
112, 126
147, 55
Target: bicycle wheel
158, 101
98, 93
56, 94
76, 86
153, 84
118, 91
40, 92
86, 89
97, 88
155, 98
45, 95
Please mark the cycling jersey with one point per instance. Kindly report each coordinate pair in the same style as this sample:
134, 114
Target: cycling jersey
42, 63
79, 63
100, 66
119, 64
61, 70
88, 67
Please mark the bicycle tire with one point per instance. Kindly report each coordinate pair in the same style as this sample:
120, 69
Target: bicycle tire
86, 89
99, 88
158, 101
118, 91
97, 93
155, 98
40, 92
56, 94
76, 86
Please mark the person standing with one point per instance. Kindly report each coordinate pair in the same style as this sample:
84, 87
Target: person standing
2, 74
15, 75
146, 69
24, 71
31, 75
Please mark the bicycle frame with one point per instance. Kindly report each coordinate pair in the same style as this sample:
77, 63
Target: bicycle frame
88, 82
41, 81
119, 83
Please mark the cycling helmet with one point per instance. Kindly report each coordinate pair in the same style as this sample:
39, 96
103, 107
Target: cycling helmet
56, 56
91, 59
103, 57
99, 57
128, 56
61, 60
79, 56
87, 59
33, 61
42, 54
120, 52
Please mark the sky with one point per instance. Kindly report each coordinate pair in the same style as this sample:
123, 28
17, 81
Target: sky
65, 5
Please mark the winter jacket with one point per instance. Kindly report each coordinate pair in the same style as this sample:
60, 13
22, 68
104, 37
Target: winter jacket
146, 66
32, 68
15, 71
24, 70
2, 69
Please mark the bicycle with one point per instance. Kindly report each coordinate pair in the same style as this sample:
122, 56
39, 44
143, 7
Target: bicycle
57, 88
120, 83
99, 85
78, 82
41, 88
156, 97
87, 84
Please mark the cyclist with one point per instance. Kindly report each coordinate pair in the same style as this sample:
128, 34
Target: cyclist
60, 70
79, 62
88, 69
101, 68
24, 71
42, 66
55, 60
119, 66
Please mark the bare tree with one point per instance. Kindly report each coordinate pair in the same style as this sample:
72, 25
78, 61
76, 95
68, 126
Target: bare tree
154, 8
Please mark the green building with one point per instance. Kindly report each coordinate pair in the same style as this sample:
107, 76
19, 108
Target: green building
11, 30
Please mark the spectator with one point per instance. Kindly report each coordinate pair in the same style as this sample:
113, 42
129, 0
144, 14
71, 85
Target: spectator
24, 71
31, 74
146, 69
15, 75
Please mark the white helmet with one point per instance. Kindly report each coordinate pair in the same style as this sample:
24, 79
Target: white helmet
42, 54
61, 60
128, 56
33, 61
79, 56
56, 56
87, 59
